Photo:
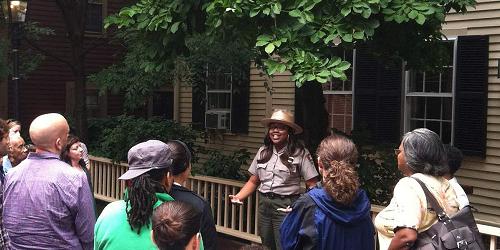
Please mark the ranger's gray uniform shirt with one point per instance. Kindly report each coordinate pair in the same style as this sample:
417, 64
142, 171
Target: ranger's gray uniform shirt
276, 177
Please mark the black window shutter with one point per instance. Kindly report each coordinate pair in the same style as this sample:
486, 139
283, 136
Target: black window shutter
471, 92
198, 105
377, 97
240, 100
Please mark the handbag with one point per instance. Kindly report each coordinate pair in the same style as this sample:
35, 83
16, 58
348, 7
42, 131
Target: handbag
458, 231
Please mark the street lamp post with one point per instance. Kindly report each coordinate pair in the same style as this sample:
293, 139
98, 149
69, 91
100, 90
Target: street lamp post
16, 16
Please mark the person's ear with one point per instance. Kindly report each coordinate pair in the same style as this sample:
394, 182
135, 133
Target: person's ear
168, 181
320, 165
196, 242
152, 237
58, 144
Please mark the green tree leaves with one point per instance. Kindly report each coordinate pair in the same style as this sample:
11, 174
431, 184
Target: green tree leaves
294, 35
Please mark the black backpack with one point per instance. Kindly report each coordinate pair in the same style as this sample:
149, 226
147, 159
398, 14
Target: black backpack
456, 232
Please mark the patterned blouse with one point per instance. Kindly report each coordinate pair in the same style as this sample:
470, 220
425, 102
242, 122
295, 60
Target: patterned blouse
408, 207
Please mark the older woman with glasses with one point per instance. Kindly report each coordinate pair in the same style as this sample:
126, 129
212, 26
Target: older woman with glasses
276, 172
421, 155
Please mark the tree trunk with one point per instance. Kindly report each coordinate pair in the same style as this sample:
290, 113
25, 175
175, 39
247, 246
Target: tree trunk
311, 114
74, 15
80, 109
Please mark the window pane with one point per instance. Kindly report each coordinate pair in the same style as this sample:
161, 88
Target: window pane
416, 82
93, 22
326, 86
417, 105
449, 52
348, 124
219, 101
337, 85
447, 108
416, 124
348, 103
446, 134
92, 98
434, 126
163, 104
447, 80
348, 83
338, 104
431, 82
339, 109
219, 81
338, 122
433, 108
225, 120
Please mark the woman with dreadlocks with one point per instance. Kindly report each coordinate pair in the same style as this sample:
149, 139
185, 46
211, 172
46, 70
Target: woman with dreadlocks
276, 172
126, 224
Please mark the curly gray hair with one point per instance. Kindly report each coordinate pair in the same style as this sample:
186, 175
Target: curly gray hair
424, 152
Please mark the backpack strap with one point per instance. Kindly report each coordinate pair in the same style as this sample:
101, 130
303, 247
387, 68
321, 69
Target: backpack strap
441, 214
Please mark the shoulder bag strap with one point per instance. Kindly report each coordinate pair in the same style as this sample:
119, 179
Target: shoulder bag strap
442, 216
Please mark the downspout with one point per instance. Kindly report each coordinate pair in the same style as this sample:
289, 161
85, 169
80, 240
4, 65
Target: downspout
177, 87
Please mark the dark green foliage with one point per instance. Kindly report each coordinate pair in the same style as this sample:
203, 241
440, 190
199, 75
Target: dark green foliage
128, 76
113, 137
378, 172
29, 58
223, 165
302, 32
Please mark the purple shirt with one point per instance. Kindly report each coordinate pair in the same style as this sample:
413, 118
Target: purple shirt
48, 205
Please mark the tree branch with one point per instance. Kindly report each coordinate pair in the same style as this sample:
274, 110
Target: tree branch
48, 53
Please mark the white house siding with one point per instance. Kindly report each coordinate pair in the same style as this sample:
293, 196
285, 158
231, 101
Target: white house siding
484, 174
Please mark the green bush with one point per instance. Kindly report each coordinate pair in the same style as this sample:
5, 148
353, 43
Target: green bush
113, 137
378, 172
224, 166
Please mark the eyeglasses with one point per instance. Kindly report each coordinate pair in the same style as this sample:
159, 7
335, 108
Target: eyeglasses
279, 127
397, 151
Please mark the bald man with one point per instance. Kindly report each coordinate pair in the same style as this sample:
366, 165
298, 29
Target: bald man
17, 152
47, 203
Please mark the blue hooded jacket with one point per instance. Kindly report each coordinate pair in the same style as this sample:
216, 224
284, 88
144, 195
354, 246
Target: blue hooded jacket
318, 222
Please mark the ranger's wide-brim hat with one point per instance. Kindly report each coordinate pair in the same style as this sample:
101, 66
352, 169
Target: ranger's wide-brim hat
283, 117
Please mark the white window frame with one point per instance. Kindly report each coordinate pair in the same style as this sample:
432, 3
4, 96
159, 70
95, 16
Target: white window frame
345, 92
219, 111
408, 95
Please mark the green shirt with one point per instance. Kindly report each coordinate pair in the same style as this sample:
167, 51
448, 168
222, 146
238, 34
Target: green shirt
112, 230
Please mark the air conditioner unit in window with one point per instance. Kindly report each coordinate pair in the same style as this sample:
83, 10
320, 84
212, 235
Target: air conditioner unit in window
217, 119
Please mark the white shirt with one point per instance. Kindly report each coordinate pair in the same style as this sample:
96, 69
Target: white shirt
461, 196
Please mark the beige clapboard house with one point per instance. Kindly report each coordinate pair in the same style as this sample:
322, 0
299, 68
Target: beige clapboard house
462, 104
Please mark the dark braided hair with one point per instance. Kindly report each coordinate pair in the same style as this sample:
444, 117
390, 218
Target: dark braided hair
293, 148
141, 197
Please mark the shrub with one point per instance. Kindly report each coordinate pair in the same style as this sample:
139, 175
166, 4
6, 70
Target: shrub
224, 165
113, 137
378, 172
